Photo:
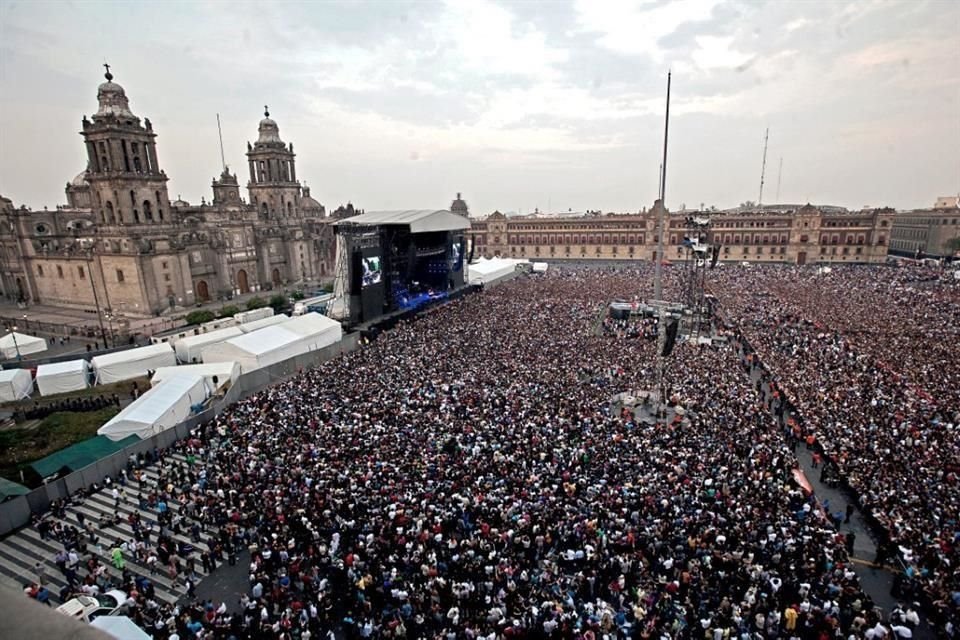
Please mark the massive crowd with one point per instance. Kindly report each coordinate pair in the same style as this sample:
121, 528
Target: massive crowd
870, 358
464, 476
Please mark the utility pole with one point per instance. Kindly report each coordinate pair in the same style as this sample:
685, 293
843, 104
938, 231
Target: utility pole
658, 270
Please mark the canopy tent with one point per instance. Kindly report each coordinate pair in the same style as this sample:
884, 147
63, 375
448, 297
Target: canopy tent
258, 349
15, 384
79, 455
119, 627
224, 372
63, 377
319, 331
540, 267
132, 363
487, 271
190, 349
250, 327
419, 220
10, 489
14, 343
159, 409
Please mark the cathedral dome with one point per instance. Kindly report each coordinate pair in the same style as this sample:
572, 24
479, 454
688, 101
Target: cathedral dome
309, 204
80, 180
269, 131
459, 206
113, 99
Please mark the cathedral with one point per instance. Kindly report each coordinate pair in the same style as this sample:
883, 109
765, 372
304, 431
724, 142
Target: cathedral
120, 245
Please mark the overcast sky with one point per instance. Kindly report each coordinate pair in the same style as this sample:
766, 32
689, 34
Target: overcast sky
518, 105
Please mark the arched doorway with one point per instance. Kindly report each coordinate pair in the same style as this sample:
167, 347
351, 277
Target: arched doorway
242, 284
203, 292
276, 276
21, 296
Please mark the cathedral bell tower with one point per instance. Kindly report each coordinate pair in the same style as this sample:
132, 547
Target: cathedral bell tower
273, 185
126, 183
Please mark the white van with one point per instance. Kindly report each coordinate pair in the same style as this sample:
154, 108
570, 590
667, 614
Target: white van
87, 608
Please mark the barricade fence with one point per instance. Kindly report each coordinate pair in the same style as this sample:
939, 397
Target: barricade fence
16, 512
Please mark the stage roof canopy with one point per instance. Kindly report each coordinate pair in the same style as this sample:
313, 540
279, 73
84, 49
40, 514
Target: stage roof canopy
419, 220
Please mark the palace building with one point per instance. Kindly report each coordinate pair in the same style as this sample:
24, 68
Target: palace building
121, 245
798, 235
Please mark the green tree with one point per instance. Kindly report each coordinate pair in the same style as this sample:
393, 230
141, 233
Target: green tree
255, 303
328, 287
200, 316
297, 295
278, 302
229, 311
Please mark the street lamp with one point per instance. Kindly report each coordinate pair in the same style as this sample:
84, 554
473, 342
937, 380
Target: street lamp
13, 334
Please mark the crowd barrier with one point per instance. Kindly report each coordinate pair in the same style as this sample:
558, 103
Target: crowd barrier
16, 513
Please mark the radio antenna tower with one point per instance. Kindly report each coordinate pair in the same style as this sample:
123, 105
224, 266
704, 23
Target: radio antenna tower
779, 175
763, 167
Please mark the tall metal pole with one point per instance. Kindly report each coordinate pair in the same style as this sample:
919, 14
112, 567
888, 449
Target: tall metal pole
763, 167
658, 269
223, 158
96, 299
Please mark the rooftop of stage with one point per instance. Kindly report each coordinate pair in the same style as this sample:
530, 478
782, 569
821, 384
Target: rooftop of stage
419, 220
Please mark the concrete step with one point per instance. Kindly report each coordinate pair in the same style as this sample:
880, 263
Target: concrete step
104, 504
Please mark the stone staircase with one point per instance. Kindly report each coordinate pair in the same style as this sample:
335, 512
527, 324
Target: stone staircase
20, 551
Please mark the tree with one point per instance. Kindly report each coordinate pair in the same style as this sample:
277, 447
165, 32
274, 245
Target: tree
328, 287
200, 316
255, 303
278, 302
297, 295
229, 311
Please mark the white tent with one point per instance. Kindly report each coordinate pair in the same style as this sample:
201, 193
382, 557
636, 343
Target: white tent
319, 331
224, 372
21, 343
260, 348
132, 363
159, 409
119, 627
487, 271
15, 384
264, 322
540, 267
190, 349
246, 317
62, 377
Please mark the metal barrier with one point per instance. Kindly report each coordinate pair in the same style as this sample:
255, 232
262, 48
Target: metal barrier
15, 513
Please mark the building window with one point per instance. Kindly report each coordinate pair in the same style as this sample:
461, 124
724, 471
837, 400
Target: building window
40, 270
59, 271
81, 273
164, 264
166, 277
119, 275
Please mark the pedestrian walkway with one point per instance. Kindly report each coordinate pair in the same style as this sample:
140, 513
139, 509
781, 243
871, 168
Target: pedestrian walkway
21, 551
876, 581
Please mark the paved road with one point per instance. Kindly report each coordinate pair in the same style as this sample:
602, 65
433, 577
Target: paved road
225, 584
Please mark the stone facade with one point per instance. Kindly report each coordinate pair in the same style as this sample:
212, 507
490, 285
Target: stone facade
121, 245
799, 236
926, 232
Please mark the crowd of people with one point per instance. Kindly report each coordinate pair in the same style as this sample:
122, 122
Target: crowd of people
464, 476
869, 357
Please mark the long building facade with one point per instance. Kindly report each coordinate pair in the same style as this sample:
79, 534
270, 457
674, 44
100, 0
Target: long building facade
927, 233
803, 235
120, 245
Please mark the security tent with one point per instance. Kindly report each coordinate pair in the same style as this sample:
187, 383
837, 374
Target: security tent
14, 343
317, 330
160, 408
15, 384
132, 363
190, 349
224, 372
250, 327
258, 349
487, 271
63, 377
